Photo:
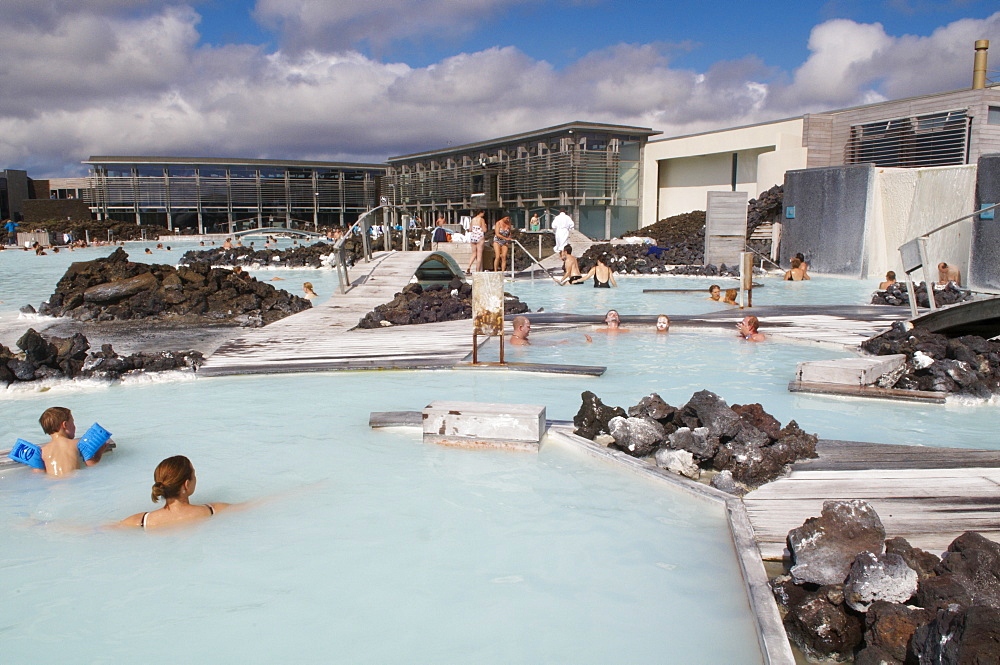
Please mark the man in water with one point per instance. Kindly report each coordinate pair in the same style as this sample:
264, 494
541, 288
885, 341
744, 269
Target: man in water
715, 292
947, 273
60, 454
890, 279
522, 327
571, 267
748, 329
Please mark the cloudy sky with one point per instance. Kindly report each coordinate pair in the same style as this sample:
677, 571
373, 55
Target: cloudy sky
361, 80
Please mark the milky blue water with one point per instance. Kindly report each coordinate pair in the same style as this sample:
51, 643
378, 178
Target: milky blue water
370, 546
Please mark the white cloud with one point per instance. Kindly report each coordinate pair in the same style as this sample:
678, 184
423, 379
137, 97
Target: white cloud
128, 84
341, 24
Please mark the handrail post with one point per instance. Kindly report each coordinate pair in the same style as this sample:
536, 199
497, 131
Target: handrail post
926, 269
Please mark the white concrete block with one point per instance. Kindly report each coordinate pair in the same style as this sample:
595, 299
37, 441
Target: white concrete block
518, 426
848, 371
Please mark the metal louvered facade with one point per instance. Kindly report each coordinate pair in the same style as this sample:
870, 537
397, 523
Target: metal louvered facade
218, 195
590, 169
935, 139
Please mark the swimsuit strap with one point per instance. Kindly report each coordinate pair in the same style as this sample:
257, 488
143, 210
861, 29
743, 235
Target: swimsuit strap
142, 522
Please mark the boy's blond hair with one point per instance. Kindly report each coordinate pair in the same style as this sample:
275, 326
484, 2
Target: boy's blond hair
53, 418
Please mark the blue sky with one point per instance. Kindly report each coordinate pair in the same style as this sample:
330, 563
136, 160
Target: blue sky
356, 80
697, 34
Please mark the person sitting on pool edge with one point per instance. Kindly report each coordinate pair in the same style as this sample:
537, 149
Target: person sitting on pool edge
947, 273
662, 323
60, 454
174, 480
748, 329
714, 292
890, 279
613, 321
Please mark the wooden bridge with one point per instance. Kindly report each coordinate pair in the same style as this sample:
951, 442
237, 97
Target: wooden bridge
321, 338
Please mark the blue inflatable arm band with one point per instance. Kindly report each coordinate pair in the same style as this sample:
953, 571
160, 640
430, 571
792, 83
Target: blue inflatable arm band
92, 440
27, 453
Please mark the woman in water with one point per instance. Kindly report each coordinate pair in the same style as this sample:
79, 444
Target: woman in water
502, 235
175, 482
309, 293
662, 323
477, 235
603, 277
730, 298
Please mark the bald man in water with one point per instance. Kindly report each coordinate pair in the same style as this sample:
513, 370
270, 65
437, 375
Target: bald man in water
522, 327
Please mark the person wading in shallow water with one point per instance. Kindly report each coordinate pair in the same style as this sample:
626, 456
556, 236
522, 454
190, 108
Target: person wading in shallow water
175, 482
748, 329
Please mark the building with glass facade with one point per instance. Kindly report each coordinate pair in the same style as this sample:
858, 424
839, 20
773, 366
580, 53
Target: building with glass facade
226, 195
592, 170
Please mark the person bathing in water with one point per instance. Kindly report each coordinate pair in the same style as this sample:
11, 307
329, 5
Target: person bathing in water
60, 454
174, 481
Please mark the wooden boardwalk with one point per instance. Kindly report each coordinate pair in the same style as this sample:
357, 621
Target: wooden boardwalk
321, 338
927, 495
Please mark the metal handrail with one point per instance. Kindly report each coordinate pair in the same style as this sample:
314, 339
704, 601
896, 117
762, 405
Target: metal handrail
913, 255
533, 259
765, 258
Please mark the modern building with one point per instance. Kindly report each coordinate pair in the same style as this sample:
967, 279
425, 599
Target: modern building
15, 187
225, 195
945, 129
592, 170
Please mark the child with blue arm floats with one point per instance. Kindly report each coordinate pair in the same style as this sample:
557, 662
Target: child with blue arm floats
61, 454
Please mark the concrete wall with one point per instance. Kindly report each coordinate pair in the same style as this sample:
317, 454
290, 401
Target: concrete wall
831, 208
679, 172
17, 191
851, 220
912, 202
985, 269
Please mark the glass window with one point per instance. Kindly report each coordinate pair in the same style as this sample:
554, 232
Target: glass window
993, 116
272, 172
118, 171
328, 174
149, 171
299, 174
242, 172
181, 171
212, 171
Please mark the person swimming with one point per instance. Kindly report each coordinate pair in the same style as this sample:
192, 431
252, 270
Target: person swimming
662, 323
309, 293
175, 481
730, 298
715, 292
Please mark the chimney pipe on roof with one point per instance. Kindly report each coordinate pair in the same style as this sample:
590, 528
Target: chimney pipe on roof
979, 67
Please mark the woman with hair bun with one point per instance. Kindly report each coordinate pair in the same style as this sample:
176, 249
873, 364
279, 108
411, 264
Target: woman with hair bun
175, 481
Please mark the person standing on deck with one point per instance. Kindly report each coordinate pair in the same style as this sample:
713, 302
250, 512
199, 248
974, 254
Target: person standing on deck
562, 225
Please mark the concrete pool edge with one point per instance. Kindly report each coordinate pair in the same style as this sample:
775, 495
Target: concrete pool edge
773, 641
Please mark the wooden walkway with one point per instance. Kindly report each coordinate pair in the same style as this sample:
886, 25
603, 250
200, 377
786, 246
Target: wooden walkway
927, 495
321, 338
